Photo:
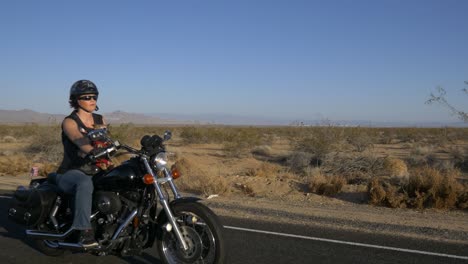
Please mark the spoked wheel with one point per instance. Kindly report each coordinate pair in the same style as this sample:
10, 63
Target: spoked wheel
201, 231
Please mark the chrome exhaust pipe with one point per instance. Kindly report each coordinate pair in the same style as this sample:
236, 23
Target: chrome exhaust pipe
76, 246
48, 236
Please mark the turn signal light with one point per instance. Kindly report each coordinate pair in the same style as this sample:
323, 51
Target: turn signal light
175, 173
148, 179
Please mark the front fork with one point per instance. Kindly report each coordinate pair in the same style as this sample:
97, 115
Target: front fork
164, 202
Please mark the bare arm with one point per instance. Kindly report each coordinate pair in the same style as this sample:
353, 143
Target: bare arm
73, 133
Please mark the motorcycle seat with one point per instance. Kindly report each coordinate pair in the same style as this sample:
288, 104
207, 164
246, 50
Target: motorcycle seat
52, 178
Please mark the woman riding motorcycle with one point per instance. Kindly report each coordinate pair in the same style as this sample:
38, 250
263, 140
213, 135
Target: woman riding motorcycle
74, 173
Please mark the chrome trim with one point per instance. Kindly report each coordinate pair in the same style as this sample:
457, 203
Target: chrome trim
50, 236
77, 246
124, 224
53, 212
165, 205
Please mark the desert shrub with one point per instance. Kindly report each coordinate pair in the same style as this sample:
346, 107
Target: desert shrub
299, 162
265, 169
14, 165
426, 188
263, 150
459, 155
395, 167
9, 139
240, 141
194, 179
326, 185
421, 155
361, 139
125, 133
320, 141
246, 189
208, 134
356, 167
46, 144
436, 189
381, 192
194, 135
387, 136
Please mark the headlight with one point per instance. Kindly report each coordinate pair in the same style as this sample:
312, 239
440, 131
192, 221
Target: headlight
160, 160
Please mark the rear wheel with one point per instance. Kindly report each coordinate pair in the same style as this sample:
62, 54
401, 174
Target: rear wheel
201, 230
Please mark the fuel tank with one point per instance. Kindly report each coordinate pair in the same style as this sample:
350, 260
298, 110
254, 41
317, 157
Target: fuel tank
127, 176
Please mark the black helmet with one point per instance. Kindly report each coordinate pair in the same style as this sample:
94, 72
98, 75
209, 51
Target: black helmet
82, 87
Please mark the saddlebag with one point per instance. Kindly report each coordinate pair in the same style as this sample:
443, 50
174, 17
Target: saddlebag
31, 206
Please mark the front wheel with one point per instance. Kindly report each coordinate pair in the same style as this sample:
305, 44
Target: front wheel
201, 230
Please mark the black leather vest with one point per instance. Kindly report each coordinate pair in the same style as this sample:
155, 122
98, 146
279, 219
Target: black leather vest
71, 158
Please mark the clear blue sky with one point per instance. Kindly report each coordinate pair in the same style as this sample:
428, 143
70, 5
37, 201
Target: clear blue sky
340, 60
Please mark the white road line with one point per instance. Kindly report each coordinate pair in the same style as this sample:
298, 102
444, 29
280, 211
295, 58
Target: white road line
8, 197
348, 243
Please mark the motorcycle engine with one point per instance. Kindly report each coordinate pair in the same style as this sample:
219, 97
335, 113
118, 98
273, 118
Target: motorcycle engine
107, 203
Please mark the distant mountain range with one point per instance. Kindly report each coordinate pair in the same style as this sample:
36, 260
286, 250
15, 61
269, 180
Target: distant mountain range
26, 116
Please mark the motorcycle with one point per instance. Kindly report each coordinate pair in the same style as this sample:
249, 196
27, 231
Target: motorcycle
125, 216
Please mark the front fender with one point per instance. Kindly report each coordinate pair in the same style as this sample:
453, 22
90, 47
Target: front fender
177, 201
184, 200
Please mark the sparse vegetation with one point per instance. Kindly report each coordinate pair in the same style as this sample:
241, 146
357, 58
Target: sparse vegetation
401, 167
426, 187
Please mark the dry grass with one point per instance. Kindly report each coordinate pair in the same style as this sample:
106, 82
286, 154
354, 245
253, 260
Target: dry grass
395, 167
14, 165
426, 188
326, 185
195, 179
402, 167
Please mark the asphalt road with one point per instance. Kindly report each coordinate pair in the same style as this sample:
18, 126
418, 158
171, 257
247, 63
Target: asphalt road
259, 242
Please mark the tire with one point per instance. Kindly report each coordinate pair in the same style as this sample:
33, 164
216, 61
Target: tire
203, 233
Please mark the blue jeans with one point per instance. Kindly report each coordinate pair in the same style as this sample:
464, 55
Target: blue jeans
81, 185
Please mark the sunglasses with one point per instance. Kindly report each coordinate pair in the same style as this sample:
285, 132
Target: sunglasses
88, 98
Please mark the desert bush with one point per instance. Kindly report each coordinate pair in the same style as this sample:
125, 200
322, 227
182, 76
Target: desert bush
46, 144
265, 169
325, 184
436, 189
395, 167
299, 162
124, 132
240, 141
194, 135
381, 192
321, 141
246, 189
14, 165
9, 139
194, 179
459, 155
361, 139
355, 167
421, 155
263, 150
426, 188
